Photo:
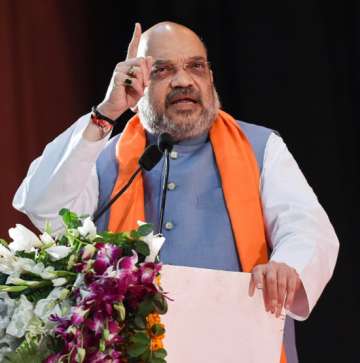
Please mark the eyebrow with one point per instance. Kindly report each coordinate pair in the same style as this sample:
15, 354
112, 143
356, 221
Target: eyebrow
160, 62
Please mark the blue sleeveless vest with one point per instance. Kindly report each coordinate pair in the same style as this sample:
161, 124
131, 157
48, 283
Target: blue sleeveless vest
197, 227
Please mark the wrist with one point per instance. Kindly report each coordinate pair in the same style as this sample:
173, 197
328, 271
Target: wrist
109, 111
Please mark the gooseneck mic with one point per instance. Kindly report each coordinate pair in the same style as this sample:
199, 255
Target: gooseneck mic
165, 144
147, 161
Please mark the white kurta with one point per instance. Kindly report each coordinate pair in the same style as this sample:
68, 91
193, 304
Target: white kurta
65, 176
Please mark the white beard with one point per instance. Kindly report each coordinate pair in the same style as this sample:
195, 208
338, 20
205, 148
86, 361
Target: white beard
182, 129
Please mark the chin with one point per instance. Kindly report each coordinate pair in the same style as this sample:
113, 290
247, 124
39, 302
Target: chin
187, 116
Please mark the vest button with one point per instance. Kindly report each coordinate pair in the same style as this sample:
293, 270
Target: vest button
171, 186
174, 154
169, 226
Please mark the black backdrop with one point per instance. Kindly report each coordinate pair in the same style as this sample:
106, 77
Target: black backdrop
292, 66
289, 65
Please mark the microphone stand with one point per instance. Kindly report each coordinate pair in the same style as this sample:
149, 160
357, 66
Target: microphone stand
166, 169
147, 161
118, 194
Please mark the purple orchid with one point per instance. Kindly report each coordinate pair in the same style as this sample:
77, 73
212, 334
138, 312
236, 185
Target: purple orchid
129, 262
106, 256
78, 315
148, 272
113, 336
109, 278
96, 323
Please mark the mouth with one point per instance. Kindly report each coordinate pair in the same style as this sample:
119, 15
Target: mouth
183, 100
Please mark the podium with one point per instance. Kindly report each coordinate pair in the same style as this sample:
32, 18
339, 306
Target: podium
213, 320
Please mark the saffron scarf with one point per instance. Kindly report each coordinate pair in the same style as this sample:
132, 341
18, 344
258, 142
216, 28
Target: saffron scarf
240, 180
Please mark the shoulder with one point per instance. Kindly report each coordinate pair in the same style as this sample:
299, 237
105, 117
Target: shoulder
258, 137
255, 131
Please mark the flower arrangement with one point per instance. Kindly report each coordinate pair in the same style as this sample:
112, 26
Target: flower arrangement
82, 297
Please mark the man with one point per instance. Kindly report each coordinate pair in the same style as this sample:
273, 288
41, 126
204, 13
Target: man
234, 191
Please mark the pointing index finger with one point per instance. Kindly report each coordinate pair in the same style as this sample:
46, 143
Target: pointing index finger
134, 43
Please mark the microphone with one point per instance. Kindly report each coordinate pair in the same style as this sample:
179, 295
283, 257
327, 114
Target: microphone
165, 145
147, 161
165, 142
150, 157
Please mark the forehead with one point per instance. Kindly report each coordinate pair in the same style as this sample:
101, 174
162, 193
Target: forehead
172, 44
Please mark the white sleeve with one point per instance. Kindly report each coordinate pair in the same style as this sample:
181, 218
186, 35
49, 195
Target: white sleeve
298, 228
64, 176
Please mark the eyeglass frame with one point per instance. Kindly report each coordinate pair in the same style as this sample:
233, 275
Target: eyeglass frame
185, 65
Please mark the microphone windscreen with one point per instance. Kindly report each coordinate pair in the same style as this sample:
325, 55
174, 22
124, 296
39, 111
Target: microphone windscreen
165, 142
150, 157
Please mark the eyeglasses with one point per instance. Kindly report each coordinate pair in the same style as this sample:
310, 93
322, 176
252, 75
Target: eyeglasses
164, 70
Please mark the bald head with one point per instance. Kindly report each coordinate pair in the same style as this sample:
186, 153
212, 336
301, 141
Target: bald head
181, 98
168, 40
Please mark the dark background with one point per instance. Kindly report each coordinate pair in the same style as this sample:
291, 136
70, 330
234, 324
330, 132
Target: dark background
289, 65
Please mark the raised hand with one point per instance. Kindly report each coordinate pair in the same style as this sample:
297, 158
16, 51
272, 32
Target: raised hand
129, 80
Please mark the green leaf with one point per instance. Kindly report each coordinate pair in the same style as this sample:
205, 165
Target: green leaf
23, 254
140, 338
145, 229
8, 288
142, 248
35, 295
139, 322
160, 304
71, 220
157, 329
33, 351
135, 235
4, 243
160, 353
135, 350
156, 360
144, 357
145, 307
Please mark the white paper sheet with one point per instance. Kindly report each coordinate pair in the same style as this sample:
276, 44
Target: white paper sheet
213, 320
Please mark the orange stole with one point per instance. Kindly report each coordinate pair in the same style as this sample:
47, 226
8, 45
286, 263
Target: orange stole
240, 179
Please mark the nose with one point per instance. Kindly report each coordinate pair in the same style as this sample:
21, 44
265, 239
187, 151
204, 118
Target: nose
181, 79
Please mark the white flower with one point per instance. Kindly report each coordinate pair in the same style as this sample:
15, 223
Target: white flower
52, 304
58, 252
88, 229
80, 278
15, 265
48, 273
46, 238
40, 270
14, 280
8, 344
45, 273
59, 281
23, 264
20, 318
154, 243
5, 252
7, 307
6, 260
23, 239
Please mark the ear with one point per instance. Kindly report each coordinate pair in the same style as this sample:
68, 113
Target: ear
211, 76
